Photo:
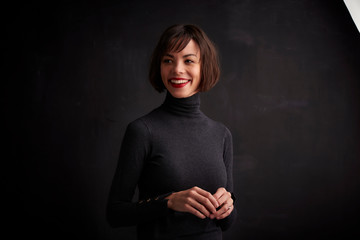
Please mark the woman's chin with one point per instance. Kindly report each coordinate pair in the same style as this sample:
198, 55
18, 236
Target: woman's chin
181, 94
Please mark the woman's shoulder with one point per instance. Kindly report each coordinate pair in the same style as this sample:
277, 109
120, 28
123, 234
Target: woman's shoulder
216, 123
220, 126
144, 121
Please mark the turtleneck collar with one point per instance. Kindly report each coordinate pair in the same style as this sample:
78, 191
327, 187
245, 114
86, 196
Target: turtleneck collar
189, 106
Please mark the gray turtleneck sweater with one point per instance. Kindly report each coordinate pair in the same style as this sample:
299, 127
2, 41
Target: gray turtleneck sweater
173, 148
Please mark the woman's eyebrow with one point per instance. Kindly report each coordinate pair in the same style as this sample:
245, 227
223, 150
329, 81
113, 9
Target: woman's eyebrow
185, 56
189, 55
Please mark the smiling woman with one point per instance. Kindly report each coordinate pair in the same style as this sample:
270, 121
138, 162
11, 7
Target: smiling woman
188, 41
180, 71
180, 159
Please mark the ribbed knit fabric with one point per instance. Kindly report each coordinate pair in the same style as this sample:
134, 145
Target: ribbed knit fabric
173, 148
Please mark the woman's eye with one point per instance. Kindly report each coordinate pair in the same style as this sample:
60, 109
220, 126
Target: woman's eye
189, 61
167, 61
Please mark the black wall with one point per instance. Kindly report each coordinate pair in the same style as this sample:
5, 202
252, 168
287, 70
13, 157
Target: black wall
76, 74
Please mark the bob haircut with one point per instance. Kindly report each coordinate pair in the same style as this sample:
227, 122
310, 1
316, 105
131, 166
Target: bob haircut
174, 39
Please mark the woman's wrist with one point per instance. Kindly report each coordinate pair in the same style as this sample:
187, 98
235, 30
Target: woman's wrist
169, 200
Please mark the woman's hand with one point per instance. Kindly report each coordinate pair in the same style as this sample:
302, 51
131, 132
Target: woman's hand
195, 201
225, 201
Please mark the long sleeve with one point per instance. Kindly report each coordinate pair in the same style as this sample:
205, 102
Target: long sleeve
121, 211
226, 223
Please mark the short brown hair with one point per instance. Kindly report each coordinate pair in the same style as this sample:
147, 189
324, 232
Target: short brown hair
176, 38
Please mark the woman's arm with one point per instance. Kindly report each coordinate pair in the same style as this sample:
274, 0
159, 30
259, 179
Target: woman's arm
226, 215
121, 211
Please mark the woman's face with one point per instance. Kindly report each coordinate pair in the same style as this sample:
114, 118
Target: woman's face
180, 71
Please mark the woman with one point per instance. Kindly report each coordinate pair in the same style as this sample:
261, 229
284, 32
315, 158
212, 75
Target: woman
180, 159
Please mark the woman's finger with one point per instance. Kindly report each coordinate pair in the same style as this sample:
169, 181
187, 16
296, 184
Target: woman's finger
224, 211
219, 193
226, 202
206, 199
225, 197
194, 211
199, 207
222, 195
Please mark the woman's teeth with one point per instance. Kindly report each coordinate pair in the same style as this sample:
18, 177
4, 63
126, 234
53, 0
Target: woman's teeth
178, 81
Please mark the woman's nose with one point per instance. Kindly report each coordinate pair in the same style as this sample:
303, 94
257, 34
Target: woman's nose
178, 67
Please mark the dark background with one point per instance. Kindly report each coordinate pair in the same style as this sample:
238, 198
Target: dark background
76, 74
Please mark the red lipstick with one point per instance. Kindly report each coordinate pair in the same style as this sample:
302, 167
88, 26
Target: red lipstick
179, 82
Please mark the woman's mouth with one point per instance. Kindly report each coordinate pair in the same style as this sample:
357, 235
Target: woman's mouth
179, 82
